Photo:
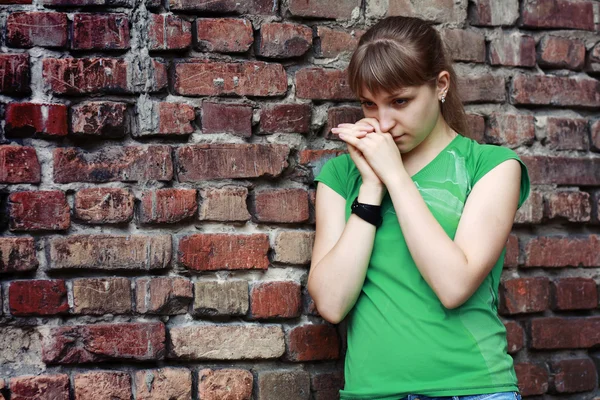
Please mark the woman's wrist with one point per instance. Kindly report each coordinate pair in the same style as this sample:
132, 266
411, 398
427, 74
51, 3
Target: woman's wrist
371, 193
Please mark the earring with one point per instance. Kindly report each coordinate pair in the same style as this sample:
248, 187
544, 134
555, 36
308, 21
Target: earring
443, 99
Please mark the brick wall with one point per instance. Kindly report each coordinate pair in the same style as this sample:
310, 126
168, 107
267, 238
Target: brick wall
156, 169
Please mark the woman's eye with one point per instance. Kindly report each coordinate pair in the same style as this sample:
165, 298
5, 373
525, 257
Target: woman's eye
400, 102
367, 104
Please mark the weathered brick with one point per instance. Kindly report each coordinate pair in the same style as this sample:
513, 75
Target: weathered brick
514, 336
221, 298
574, 294
323, 84
515, 50
281, 206
342, 9
565, 333
333, 42
431, 10
37, 297
168, 32
29, 29
573, 376
16, 1
100, 32
476, 125
570, 14
167, 206
533, 379
226, 342
595, 135
228, 383
21, 348
275, 300
224, 35
223, 204
282, 384
308, 304
249, 78
111, 164
103, 342
558, 52
28, 119
196, 163
285, 118
19, 164
228, 118
261, 7
512, 130
40, 387
284, 40
86, 3
494, 13
464, 45
102, 385
563, 170
511, 257
482, 89
316, 159
44, 210
163, 383
341, 115
293, 247
311, 342
163, 295
104, 205
216, 251
592, 64
572, 206
565, 133
563, 251
551, 90
524, 295
99, 296
17, 254
99, 118
164, 118
108, 252
326, 384
16, 73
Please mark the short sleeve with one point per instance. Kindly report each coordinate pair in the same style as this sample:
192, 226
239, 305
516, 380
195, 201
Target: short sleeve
334, 174
491, 156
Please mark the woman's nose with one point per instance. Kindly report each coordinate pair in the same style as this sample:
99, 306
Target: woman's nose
386, 122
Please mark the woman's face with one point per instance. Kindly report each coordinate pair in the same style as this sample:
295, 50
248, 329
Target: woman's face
409, 114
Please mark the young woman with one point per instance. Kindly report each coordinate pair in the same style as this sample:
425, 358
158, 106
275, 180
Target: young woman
411, 228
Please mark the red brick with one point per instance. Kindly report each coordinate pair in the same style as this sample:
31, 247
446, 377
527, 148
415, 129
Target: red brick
228, 383
38, 297
533, 379
570, 14
563, 251
573, 376
224, 35
341, 9
29, 29
166, 206
532, 211
341, 115
261, 7
563, 170
593, 60
512, 130
86, 3
524, 295
283, 384
217, 251
515, 50
99, 296
275, 300
169, 32
464, 45
41, 387
565, 133
285, 118
574, 294
100, 32
323, 84
39, 211
281, 206
102, 385
28, 119
482, 89
494, 13
104, 205
99, 118
514, 336
196, 163
595, 135
15, 72
163, 295
223, 204
16, 1
511, 258
333, 43
284, 40
555, 91
476, 125
19, 164
110, 252
102, 75
249, 78
330, 382
164, 383
17, 254
558, 52
572, 206
432, 10
163, 118
229, 118
565, 333
76, 344
112, 164
218, 298
312, 342
293, 247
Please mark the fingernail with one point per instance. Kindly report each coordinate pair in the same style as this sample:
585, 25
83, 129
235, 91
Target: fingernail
341, 136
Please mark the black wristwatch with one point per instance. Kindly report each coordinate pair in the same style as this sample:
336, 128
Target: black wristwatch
369, 212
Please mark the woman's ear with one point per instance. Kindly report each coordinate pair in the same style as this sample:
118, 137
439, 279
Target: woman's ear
443, 82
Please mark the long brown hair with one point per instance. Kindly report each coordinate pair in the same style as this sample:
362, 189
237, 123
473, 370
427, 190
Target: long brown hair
405, 51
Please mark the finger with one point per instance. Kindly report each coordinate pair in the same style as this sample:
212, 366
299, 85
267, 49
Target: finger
350, 132
354, 141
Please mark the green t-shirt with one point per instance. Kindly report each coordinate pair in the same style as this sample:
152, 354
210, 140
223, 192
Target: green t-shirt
401, 339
